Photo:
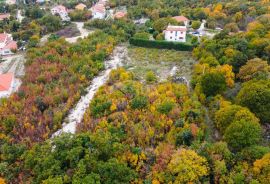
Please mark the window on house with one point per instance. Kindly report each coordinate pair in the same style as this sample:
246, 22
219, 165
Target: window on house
170, 37
180, 38
171, 32
181, 32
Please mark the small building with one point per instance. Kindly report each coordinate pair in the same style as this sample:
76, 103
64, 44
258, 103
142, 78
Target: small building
175, 33
62, 11
80, 6
98, 11
10, 2
120, 15
7, 44
183, 19
4, 16
7, 84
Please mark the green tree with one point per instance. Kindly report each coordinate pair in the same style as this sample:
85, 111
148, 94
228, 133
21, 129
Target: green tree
241, 134
213, 83
196, 24
228, 114
161, 24
51, 22
256, 96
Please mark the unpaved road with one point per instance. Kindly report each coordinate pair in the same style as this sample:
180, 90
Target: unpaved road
76, 114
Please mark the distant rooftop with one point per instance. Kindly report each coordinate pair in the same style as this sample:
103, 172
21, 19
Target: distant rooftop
180, 18
6, 81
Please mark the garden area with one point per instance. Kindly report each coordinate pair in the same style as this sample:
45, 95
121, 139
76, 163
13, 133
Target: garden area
164, 63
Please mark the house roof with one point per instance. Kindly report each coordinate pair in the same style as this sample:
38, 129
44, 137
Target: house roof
180, 18
3, 37
119, 15
176, 28
80, 6
60, 8
4, 16
6, 81
99, 8
11, 45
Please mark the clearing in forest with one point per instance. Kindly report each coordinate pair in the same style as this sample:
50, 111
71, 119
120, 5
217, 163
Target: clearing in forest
164, 63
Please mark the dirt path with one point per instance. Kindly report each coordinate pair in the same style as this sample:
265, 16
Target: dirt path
76, 114
84, 33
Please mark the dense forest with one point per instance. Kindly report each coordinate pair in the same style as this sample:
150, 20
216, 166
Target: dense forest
148, 132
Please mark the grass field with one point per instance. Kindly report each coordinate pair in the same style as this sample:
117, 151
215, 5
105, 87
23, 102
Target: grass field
160, 61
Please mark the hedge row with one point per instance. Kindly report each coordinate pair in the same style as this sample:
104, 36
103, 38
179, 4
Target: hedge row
160, 44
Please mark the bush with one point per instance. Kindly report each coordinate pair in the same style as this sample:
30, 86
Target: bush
142, 35
139, 102
196, 24
165, 107
161, 44
151, 77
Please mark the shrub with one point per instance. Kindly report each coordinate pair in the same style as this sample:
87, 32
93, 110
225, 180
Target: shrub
161, 44
151, 77
139, 102
142, 35
165, 107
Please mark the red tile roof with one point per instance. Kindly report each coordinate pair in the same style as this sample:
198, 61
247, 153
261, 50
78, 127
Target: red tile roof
99, 8
6, 81
4, 16
120, 15
180, 18
11, 45
3, 37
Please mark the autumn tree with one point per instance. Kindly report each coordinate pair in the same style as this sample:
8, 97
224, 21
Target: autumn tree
187, 166
254, 69
261, 169
230, 113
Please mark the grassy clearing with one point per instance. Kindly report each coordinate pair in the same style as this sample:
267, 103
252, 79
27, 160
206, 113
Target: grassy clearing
160, 61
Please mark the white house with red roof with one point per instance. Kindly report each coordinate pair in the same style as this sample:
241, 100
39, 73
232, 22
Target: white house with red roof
62, 11
98, 11
7, 84
7, 44
182, 19
175, 33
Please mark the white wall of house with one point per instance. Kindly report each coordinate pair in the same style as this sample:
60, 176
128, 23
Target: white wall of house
98, 15
5, 52
179, 36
